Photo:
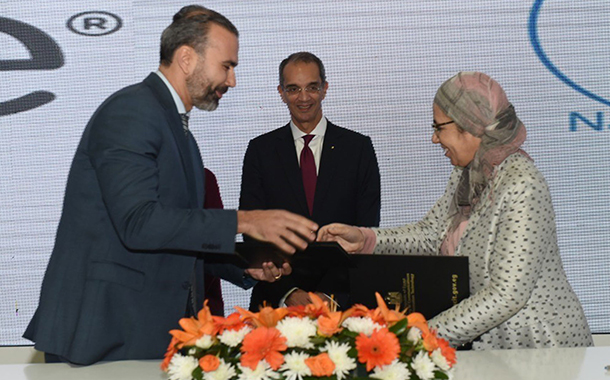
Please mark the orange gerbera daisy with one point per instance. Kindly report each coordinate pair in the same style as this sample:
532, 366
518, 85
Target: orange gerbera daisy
194, 328
267, 316
209, 363
232, 322
263, 343
320, 365
381, 348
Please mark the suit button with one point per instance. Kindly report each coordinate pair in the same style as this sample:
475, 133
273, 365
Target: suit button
186, 285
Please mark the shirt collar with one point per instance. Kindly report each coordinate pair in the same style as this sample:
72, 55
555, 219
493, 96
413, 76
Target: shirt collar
179, 104
319, 130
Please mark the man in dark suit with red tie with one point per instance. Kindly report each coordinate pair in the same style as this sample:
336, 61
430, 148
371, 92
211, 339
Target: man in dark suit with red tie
313, 168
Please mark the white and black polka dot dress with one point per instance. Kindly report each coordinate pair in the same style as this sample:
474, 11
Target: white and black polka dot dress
520, 296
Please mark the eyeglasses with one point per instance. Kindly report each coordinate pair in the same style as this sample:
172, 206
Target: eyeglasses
437, 127
295, 90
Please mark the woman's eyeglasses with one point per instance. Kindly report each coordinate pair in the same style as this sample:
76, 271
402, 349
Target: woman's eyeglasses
437, 127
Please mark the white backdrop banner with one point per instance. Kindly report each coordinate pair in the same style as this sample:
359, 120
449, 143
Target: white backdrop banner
384, 60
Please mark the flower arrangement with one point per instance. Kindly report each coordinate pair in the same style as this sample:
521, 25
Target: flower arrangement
306, 343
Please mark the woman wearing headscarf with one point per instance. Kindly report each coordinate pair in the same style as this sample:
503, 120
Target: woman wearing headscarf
497, 211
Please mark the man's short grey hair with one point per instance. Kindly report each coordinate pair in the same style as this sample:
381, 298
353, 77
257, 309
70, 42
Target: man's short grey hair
190, 27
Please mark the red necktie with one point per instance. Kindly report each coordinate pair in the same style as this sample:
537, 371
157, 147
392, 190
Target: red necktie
308, 171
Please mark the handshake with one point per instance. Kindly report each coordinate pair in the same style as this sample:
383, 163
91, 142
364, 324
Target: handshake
289, 232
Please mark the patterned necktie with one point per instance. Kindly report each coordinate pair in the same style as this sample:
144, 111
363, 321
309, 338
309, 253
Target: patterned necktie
192, 307
308, 171
185, 123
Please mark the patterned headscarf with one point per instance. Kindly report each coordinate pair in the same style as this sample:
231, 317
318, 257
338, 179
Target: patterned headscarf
479, 105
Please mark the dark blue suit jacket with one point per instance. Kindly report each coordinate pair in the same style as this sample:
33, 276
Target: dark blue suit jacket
347, 191
131, 233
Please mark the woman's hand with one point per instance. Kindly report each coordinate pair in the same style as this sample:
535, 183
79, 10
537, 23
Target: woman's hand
348, 237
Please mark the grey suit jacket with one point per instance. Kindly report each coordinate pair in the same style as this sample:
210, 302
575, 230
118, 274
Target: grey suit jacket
131, 233
520, 296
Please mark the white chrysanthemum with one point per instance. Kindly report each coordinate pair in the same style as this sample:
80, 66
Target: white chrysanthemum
414, 335
337, 352
181, 367
439, 360
233, 338
262, 372
450, 373
294, 367
396, 370
297, 331
225, 371
205, 342
423, 366
363, 325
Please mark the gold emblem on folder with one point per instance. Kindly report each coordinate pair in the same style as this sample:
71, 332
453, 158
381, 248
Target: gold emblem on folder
394, 298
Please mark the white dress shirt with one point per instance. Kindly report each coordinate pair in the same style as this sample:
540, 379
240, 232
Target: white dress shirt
315, 144
179, 104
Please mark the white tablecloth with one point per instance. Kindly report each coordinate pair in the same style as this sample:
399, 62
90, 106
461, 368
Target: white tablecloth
543, 364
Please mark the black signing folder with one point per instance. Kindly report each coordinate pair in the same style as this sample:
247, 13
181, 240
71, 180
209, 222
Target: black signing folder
424, 284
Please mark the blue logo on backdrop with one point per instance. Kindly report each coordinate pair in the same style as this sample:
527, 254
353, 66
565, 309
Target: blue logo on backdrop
575, 117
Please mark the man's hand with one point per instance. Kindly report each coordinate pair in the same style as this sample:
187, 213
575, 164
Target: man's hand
348, 237
269, 272
300, 297
297, 298
286, 230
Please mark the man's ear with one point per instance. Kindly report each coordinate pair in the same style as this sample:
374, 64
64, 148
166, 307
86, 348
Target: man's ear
186, 59
324, 88
280, 90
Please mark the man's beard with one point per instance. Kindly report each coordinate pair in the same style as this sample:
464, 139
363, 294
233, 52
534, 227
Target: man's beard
202, 94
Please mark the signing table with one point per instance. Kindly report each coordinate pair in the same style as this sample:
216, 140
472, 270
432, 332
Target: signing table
542, 364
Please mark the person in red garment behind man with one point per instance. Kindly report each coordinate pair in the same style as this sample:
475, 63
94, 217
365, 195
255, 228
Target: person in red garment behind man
213, 289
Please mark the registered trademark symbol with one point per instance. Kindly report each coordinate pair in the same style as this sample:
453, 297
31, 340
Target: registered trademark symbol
94, 23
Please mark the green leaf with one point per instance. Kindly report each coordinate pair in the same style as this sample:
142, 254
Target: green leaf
349, 334
197, 373
440, 375
318, 340
400, 326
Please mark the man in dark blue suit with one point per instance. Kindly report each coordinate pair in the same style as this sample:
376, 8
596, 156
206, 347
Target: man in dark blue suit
313, 168
128, 257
